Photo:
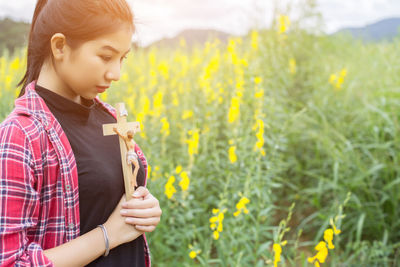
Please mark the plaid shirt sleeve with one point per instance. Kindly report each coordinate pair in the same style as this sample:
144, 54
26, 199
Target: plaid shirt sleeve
19, 200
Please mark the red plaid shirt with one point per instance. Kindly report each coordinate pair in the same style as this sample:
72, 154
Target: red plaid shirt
39, 196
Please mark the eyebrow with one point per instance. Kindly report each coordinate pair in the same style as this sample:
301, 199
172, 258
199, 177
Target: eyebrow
107, 47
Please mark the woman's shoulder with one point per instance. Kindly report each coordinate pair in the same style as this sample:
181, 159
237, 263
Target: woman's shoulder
21, 128
21, 121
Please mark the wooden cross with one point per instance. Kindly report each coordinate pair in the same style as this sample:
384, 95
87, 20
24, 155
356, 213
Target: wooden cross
123, 127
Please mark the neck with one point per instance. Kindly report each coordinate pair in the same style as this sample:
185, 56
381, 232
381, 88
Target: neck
49, 78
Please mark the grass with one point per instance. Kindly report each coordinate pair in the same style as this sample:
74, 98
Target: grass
320, 143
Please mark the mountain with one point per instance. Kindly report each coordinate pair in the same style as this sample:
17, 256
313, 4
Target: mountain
193, 37
385, 29
13, 34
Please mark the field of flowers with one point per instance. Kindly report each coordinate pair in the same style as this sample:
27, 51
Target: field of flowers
276, 149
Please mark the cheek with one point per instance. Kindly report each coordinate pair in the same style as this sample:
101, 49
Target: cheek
89, 69
91, 66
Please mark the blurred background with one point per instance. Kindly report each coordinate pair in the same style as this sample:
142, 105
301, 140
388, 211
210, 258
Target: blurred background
270, 127
195, 19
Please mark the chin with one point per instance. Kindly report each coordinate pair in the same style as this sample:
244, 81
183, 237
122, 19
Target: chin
88, 97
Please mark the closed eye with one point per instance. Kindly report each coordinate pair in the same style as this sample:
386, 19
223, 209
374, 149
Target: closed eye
106, 58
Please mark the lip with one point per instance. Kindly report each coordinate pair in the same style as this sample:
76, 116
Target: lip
102, 89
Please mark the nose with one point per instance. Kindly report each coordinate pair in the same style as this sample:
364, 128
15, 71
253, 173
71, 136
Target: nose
114, 72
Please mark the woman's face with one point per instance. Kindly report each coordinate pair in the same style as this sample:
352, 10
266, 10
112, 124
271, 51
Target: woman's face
89, 69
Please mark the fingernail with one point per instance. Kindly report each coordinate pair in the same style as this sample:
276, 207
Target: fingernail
129, 220
124, 211
136, 194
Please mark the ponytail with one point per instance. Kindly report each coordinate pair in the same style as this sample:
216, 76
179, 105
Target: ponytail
34, 63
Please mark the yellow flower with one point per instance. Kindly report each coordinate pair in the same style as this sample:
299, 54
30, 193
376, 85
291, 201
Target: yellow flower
184, 183
343, 72
103, 96
241, 206
260, 136
178, 169
149, 170
232, 154
332, 78
234, 109
164, 69
328, 237
323, 247
193, 142
335, 230
153, 174
146, 104
187, 114
165, 126
125, 77
216, 235
277, 250
15, 65
220, 226
169, 187
257, 80
259, 93
192, 254
213, 219
321, 255
175, 99
337, 80
283, 23
216, 222
254, 40
158, 103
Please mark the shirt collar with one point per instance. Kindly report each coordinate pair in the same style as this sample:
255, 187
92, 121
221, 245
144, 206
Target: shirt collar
56, 102
32, 104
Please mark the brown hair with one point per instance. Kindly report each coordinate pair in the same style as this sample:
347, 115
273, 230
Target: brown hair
78, 20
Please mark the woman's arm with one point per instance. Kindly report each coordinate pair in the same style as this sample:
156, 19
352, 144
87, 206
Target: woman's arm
88, 247
19, 205
19, 200
78, 252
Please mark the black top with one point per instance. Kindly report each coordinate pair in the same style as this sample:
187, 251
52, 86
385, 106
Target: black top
99, 167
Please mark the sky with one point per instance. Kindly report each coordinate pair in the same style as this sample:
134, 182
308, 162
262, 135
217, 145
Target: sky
156, 19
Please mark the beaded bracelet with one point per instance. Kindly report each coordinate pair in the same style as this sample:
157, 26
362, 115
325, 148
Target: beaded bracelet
105, 239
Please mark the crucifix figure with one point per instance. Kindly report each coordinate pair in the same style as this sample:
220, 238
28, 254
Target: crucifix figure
131, 156
126, 131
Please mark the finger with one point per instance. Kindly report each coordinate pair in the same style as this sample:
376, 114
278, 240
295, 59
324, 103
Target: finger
141, 213
143, 221
145, 228
140, 204
141, 192
148, 197
123, 199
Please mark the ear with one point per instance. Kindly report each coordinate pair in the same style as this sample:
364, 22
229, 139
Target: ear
59, 46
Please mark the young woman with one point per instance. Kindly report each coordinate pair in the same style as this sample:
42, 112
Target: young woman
62, 197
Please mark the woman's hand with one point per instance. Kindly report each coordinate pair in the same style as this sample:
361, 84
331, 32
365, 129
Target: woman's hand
143, 210
119, 232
